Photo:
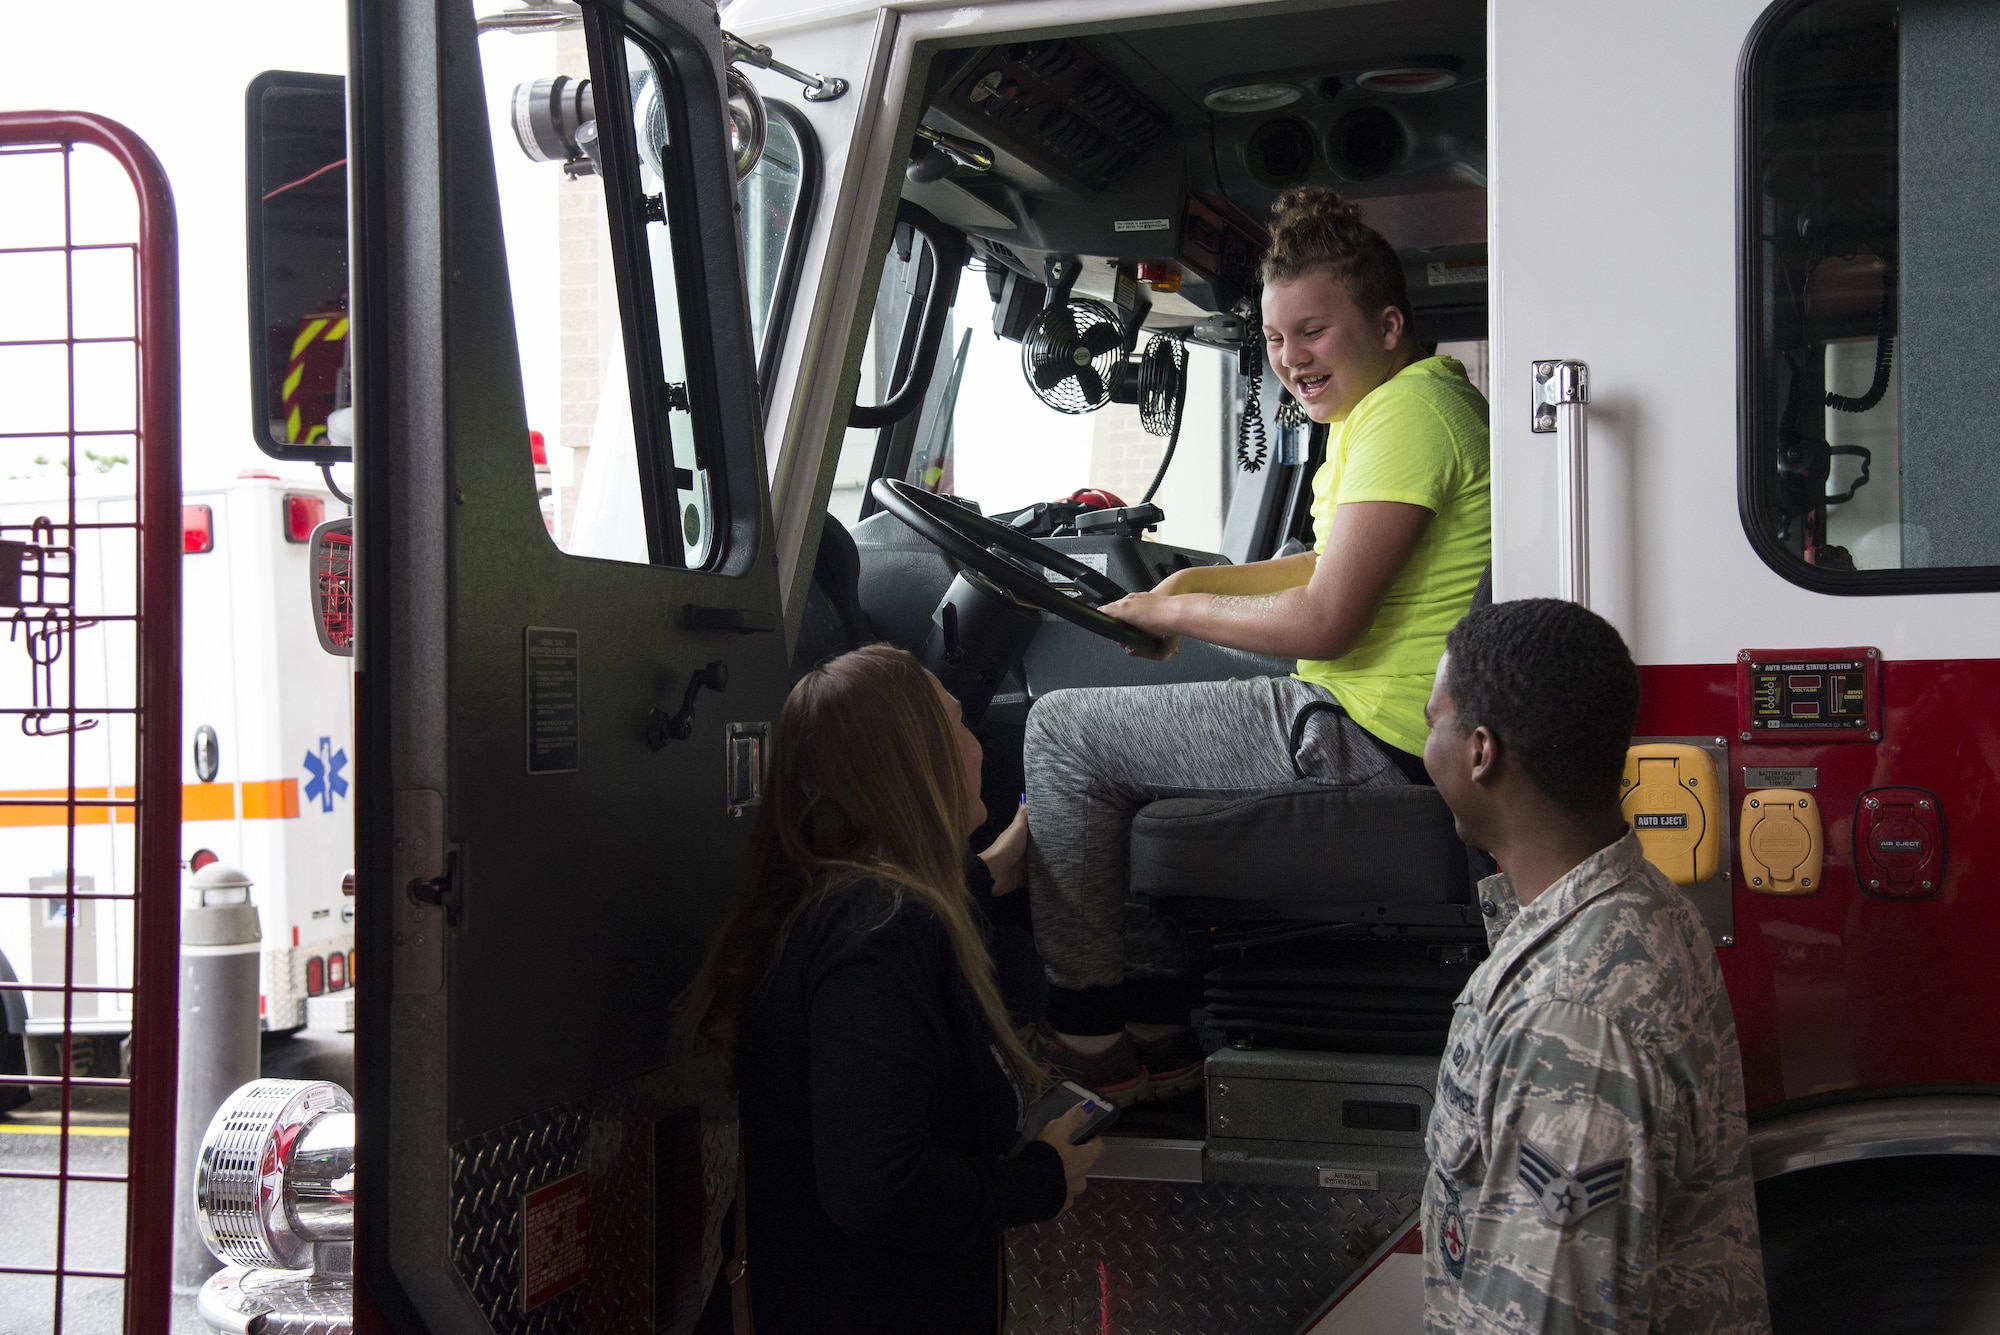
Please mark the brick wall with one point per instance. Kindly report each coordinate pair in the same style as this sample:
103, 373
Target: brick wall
1122, 454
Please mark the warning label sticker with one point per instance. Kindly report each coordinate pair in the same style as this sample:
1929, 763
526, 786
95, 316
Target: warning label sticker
554, 716
1447, 273
555, 1239
1142, 225
1098, 561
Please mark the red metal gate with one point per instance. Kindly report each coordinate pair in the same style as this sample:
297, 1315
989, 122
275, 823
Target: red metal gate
113, 730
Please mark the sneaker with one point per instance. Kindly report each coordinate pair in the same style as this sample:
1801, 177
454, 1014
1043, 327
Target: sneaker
1115, 1073
1173, 1062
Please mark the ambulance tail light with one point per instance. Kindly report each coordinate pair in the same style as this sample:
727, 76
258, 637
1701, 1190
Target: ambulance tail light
538, 444
336, 972
303, 514
315, 976
274, 1183
197, 529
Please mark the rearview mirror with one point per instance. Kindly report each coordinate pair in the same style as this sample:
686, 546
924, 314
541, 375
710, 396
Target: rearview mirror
295, 168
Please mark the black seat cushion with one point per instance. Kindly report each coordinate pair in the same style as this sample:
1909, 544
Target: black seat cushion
1302, 845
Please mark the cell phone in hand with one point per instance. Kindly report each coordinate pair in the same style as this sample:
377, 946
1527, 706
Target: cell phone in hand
1058, 1099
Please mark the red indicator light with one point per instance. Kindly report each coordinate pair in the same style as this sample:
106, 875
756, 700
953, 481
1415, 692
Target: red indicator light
202, 858
1805, 709
315, 976
303, 514
197, 529
538, 444
336, 971
1804, 683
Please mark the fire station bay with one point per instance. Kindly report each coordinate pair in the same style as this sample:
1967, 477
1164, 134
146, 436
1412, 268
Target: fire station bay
426, 860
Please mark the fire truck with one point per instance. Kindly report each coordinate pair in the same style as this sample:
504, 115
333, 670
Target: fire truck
865, 322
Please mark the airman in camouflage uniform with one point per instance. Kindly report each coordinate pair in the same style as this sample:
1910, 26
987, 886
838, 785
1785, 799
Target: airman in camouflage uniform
1590, 1157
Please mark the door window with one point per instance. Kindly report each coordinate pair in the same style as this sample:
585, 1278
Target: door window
624, 470
1872, 295
777, 198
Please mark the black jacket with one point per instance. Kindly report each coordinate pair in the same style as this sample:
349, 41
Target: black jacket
877, 1116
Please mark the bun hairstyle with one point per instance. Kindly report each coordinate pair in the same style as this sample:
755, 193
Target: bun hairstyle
1314, 229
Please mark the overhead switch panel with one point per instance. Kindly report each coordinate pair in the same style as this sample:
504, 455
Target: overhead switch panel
1671, 796
1783, 844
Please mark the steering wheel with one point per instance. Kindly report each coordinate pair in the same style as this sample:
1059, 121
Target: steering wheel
977, 543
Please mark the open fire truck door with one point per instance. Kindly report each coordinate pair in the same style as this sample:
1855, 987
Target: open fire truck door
559, 755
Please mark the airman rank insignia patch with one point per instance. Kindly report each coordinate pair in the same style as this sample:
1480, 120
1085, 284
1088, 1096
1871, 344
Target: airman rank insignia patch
1566, 1198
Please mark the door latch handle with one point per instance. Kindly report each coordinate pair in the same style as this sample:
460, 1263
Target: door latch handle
662, 727
440, 892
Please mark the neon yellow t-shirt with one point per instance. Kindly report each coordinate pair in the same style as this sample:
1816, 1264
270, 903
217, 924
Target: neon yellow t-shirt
1420, 439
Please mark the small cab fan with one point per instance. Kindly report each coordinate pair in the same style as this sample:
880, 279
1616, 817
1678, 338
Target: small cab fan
1162, 387
1071, 354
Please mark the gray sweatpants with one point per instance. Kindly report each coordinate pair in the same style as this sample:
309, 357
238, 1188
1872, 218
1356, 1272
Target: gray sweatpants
1095, 756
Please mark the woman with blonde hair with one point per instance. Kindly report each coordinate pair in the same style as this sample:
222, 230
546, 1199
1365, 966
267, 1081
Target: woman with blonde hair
851, 999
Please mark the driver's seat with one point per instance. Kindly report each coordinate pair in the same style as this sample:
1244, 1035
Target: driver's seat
1327, 917
834, 620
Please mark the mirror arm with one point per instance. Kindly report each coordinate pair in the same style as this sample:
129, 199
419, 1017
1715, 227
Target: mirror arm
819, 87
535, 16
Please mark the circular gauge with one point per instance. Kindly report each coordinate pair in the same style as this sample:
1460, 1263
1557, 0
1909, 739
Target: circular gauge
1234, 99
1407, 79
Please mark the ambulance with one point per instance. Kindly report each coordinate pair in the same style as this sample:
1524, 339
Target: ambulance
268, 755
937, 324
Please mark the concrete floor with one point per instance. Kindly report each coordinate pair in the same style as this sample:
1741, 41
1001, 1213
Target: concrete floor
31, 1139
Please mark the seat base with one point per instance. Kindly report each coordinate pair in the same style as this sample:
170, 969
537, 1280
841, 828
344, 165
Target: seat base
1314, 849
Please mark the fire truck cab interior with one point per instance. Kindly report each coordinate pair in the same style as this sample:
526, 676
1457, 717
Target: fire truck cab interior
1329, 930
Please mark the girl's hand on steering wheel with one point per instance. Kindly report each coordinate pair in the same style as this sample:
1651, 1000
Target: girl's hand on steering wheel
1153, 613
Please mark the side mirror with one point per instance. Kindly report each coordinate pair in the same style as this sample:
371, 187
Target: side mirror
331, 569
295, 170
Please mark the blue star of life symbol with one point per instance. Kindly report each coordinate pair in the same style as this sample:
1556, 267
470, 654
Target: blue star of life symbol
325, 782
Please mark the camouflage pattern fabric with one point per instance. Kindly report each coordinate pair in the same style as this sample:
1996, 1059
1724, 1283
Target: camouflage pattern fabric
1590, 1161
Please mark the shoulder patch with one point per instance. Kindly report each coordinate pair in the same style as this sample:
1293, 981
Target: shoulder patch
1567, 1198
1451, 1232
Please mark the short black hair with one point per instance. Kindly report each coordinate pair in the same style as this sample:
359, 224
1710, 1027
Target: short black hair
1555, 682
